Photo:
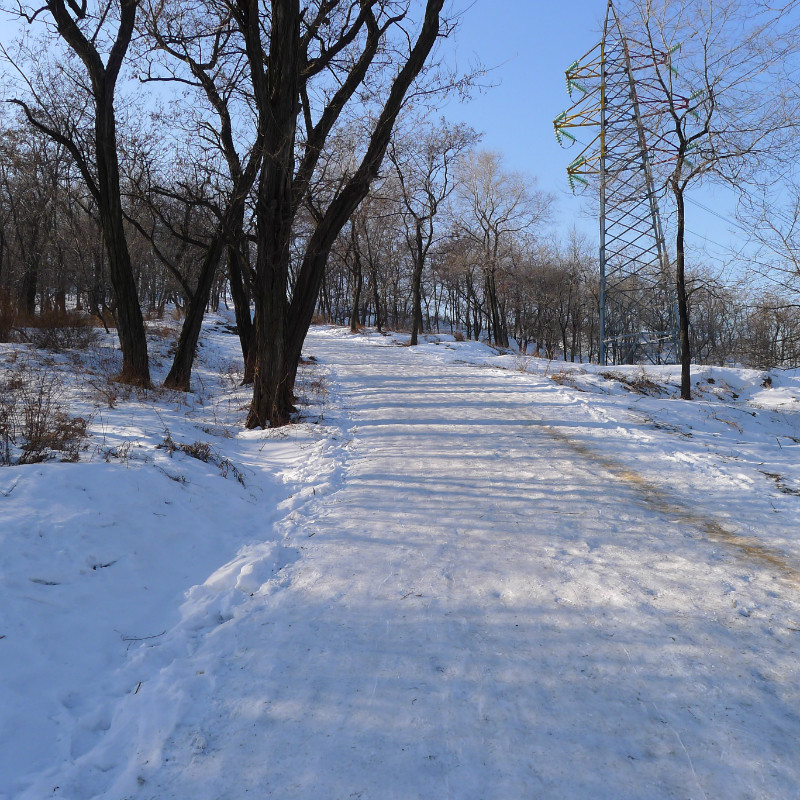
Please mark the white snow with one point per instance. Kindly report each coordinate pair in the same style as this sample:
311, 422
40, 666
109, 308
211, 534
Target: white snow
465, 575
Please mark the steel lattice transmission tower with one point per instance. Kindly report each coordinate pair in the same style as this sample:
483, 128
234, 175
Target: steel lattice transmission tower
638, 320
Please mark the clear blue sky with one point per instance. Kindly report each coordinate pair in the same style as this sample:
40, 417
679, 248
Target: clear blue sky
530, 44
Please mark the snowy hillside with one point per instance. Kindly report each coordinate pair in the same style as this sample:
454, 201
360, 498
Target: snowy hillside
462, 574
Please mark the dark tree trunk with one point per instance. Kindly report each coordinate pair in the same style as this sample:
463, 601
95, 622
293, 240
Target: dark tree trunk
376, 294
358, 279
276, 98
680, 290
493, 316
281, 328
237, 269
358, 283
180, 374
416, 284
135, 366
27, 291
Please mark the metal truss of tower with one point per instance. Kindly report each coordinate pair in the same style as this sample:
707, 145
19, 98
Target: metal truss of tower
638, 321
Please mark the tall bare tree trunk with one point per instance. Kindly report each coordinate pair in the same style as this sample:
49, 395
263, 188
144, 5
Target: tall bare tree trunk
416, 284
130, 324
277, 101
180, 373
680, 290
237, 267
358, 279
280, 328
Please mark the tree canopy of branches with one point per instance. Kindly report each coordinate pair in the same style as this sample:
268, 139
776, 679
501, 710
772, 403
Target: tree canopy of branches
716, 69
75, 92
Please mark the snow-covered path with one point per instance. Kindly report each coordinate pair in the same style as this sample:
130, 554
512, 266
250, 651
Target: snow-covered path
487, 586
482, 612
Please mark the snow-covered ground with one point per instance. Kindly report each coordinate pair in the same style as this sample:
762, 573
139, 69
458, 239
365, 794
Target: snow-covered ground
464, 575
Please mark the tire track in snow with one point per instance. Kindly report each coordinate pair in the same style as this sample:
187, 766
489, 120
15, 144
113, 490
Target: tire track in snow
657, 498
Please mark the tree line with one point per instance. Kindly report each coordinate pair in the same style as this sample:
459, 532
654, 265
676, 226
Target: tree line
283, 157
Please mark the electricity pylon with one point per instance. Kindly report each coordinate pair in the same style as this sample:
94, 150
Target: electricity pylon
638, 320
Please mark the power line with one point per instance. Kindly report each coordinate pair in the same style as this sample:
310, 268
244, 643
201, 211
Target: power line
733, 222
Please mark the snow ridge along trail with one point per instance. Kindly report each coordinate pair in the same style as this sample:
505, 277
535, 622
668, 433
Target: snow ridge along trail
479, 609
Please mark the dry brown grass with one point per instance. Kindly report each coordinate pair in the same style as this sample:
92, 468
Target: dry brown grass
639, 383
162, 331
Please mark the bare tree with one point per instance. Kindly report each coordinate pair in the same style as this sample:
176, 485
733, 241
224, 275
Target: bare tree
772, 217
424, 162
60, 100
307, 61
31, 168
495, 205
201, 54
716, 111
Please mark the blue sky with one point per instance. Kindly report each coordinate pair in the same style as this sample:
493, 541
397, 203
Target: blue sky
530, 45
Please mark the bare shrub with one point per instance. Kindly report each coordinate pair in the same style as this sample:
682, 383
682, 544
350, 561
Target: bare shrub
568, 377
59, 330
231, 375
639, 383
102, 378
311, 389
105, 392
561, 378
121, 452
202, 451
7, 423
162, 331
34, 424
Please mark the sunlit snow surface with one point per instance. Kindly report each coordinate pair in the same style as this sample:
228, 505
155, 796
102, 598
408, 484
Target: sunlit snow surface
464, 575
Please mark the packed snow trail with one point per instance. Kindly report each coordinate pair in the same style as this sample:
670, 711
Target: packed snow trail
480, 613
479, 609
